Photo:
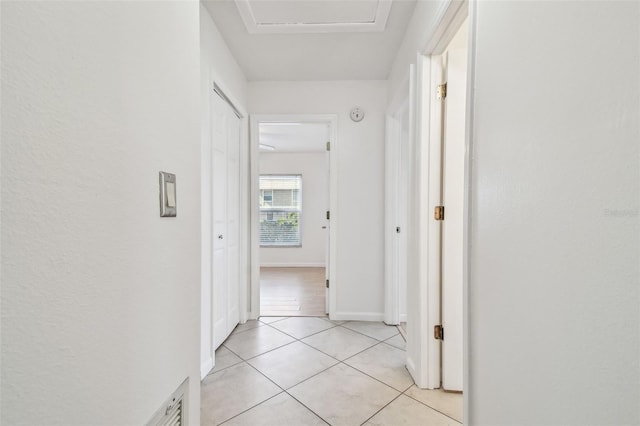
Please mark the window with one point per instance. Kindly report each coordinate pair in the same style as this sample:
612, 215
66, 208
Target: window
280, 210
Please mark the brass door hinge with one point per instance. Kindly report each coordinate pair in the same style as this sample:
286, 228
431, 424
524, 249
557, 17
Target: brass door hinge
328, 146
438, 332
327, 283
328, 215
441, 91
438, 213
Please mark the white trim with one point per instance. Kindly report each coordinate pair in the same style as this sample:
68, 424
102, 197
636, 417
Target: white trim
449, 19
206, 367
244, 231
293, 265
358, 316
254, 286
468, 197
378, 24
399, 98
432, 140
412, 368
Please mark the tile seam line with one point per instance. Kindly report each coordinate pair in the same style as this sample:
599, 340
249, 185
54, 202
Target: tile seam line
375, 338
285, 390
427, 405
374, 414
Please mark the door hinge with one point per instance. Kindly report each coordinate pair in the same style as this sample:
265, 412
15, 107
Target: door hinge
438, 332
328, 215
328, 146
441, 91
438, 213
397, 229
327, 283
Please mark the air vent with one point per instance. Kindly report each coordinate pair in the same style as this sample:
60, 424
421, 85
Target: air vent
174, 410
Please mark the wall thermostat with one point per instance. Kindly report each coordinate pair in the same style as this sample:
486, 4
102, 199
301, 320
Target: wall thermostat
167, 194
357, 114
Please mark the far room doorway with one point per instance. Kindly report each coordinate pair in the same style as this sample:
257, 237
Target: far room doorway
292, 212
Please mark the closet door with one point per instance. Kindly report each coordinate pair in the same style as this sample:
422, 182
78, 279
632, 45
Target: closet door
225, 251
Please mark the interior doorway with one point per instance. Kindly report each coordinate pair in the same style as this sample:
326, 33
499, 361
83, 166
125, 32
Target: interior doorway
439, 172
291, 208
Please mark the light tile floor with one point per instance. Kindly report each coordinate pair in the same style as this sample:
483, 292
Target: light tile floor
301, 371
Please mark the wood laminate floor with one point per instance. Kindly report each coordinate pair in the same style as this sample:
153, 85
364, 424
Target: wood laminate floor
288, 292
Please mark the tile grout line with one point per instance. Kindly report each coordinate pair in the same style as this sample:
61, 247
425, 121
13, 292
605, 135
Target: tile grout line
251, 408
370, 337
382, 408
427, 405
285, 391
312, 334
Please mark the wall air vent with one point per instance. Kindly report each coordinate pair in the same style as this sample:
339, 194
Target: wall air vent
173, 411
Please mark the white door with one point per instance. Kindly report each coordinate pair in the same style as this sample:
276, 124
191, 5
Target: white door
327, 227
452, 226
226, 218
396, 202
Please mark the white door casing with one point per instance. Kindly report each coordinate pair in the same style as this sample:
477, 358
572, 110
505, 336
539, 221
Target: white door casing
332, 224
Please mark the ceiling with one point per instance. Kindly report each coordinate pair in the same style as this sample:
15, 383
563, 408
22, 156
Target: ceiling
293, 137
279, 40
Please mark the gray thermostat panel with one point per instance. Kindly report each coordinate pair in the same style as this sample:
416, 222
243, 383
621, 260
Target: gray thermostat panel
167, 194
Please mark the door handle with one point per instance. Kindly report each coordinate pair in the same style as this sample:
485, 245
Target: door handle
220, 237
324, 227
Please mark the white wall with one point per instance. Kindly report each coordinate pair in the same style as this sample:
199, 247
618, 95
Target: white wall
554, 324
216, 64
424, 20
313, 167
100, 296
360, 150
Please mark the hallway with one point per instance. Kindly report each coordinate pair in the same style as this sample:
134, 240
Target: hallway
312, 371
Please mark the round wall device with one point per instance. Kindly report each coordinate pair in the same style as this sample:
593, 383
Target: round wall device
357, 114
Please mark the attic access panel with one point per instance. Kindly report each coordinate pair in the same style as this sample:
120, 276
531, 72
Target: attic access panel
313, 16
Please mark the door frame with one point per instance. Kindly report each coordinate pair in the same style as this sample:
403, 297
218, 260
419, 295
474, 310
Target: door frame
423, 351
253, 289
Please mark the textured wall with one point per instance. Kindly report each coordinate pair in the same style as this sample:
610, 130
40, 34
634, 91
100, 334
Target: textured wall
100, 296
554, 318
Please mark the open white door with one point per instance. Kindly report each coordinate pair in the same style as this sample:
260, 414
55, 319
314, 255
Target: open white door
397, 161
327, 227
452, 226
226, 218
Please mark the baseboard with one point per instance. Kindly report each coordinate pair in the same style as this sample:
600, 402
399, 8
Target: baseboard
411, 367
403, 317
358, 316
205, 367
292, 265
